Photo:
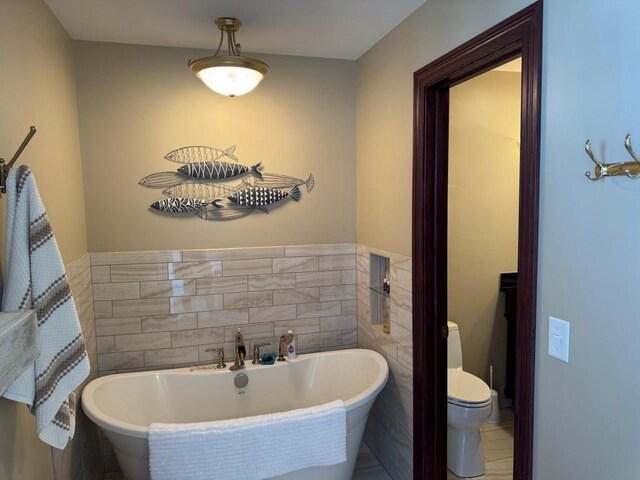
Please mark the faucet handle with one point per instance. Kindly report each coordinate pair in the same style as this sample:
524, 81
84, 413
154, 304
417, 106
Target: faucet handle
285, 339
256, 352
220, 351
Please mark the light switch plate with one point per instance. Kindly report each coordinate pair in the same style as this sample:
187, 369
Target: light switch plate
559, 339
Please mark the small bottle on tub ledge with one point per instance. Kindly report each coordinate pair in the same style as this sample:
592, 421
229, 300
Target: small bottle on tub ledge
292, 348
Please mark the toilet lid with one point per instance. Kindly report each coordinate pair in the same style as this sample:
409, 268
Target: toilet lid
464, 388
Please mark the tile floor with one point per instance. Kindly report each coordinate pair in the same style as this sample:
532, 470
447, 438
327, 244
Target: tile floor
368, 467
497, 441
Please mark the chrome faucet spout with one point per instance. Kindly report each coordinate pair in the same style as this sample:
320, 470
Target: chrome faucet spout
241, 352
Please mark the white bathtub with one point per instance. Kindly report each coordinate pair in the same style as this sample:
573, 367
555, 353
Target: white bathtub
125, 405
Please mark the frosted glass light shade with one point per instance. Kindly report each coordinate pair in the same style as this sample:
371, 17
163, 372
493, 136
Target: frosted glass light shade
230, 81
229, 75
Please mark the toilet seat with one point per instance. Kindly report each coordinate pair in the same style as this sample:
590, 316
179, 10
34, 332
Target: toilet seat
466, 390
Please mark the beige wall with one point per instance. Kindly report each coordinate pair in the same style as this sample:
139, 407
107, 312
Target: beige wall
137, 103
385, 110
37, 87
484, 134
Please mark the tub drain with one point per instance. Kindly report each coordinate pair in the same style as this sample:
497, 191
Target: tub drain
241, 380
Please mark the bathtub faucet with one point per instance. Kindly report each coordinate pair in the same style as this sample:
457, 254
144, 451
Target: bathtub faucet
285, 340
241, 352
220, 351
256, 352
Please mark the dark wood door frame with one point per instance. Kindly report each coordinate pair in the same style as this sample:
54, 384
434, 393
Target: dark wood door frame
519, 35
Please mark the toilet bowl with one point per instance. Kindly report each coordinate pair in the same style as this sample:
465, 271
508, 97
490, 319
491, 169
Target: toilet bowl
468, 406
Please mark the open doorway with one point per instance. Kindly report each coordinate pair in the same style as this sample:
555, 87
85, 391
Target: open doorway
482, 262
518, 36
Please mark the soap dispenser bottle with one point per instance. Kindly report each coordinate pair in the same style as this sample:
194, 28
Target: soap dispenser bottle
292, 348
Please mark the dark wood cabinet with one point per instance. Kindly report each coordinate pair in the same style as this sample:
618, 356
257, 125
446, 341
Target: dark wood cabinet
509, 286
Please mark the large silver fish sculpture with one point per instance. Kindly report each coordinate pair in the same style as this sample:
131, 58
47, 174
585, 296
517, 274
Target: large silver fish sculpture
231, 213
200, 153
276, 180
180, 205
201, 190
260, 197
163, 180
215, 170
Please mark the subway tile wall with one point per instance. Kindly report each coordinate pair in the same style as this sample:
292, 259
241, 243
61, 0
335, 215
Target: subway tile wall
164, 309
389, 431
80, 283
82, 457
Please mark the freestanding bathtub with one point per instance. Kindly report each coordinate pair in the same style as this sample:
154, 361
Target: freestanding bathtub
124, 405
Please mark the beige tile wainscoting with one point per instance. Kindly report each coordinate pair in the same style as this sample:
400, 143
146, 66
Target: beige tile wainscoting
164, 309
389, 432
82, 457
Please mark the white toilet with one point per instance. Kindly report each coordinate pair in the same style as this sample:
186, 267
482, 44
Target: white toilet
468, 406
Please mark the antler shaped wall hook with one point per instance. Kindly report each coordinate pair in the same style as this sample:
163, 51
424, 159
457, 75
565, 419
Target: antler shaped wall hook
630, 169
627, 145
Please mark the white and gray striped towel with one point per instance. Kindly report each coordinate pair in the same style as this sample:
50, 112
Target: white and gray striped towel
35, 278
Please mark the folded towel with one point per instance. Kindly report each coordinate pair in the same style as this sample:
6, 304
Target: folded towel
35, 279
251, 448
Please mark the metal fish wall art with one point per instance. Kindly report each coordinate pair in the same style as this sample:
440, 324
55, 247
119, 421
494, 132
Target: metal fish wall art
201, 190
199, 187
200, 153
219, 170
276, 180
163, 179
180, 205
213, 213
260, 197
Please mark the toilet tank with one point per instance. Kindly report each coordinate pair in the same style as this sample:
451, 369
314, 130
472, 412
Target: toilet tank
454, 347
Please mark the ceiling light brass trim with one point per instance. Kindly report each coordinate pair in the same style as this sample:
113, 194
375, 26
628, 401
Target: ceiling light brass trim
228, 23
198, 64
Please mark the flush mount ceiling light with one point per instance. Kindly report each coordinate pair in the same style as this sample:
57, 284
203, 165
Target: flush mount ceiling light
230, 74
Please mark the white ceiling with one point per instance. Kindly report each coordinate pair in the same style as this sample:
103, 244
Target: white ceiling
315, 28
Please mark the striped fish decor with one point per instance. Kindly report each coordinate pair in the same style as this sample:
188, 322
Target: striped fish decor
199, 153
202, 190
180, 205
275, 180
203, 185
215, 170
163, 180
261, 197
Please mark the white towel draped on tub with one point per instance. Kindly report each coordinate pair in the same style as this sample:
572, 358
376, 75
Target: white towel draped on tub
251, 448
35, 279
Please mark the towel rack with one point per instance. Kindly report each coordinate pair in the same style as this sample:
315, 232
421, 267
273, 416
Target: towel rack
630, 169
4, 168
